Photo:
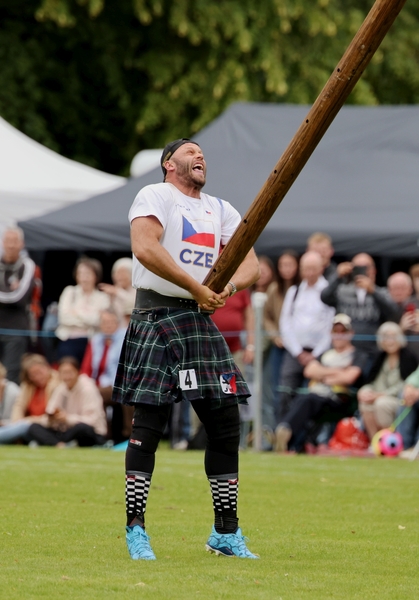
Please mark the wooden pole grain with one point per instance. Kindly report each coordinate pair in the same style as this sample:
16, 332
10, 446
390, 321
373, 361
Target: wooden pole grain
326, 107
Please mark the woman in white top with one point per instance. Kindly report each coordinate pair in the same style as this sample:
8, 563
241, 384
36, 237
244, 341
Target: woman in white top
79, 309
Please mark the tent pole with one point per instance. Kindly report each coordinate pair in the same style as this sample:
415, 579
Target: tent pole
326, 107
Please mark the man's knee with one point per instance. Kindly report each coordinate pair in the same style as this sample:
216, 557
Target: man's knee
144, 441
385, 410
148, 425
223, 430
365, 408
81, 428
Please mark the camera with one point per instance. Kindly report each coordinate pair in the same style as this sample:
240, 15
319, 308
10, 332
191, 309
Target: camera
358, 270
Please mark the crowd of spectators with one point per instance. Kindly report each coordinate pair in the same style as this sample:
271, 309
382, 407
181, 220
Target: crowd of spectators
335, 345
62, 396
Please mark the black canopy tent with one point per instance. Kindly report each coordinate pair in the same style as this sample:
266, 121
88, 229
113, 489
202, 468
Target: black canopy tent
360, 185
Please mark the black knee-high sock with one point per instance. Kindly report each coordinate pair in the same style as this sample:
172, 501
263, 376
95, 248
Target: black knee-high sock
222, 461
148, 425
224, 488
139, 469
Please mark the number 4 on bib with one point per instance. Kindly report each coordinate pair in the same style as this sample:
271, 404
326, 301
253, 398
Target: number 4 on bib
187, 380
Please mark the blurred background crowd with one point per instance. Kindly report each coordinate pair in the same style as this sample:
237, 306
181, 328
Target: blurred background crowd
105, 83
335, 345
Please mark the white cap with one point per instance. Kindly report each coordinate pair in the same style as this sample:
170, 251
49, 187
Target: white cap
344, 320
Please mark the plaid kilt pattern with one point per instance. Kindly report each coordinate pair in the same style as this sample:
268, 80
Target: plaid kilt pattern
157, 354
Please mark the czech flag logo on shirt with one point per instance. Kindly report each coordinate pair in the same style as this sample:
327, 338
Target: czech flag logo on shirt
200, 233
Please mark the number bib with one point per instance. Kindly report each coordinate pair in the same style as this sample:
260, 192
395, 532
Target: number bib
187, 380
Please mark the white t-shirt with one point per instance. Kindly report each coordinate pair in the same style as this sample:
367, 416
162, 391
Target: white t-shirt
194, 231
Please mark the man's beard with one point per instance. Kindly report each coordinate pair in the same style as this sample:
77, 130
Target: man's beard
188, 176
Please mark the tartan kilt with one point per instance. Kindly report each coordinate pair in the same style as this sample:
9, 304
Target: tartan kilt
179, 354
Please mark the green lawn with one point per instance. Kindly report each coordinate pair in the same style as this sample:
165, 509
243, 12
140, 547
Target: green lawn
324, 528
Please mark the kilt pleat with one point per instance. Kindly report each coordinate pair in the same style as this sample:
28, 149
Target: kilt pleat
156, 352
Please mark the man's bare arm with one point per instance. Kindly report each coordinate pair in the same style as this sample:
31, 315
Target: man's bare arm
315, 370
346, 376
332, 375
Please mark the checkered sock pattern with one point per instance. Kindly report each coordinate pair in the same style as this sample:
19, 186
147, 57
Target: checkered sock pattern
137, 485
224, 490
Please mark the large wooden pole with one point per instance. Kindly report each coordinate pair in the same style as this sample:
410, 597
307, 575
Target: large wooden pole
326, 107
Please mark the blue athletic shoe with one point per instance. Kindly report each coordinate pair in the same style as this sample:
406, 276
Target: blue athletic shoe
138, 544
228, 544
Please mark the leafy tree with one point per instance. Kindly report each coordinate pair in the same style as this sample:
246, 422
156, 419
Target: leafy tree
100, 79
73, 88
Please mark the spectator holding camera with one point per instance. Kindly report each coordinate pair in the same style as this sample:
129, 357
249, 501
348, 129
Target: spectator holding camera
353, 291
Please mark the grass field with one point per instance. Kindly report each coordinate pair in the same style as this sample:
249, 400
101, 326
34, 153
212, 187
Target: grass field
324, 528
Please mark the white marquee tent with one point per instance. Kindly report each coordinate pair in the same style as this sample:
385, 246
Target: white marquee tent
34, 180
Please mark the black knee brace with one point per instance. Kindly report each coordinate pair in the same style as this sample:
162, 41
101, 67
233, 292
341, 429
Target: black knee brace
224, 430
148, 426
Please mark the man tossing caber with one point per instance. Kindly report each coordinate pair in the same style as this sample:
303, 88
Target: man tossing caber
172, 350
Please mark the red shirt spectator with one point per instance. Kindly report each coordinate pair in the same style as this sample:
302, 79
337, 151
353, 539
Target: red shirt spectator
231, 319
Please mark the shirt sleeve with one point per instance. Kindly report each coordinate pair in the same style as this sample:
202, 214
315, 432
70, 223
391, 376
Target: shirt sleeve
330, 293
413, 379
10, 394
57, 399
150, 201
20, 405
388, 309
324, 343
23, 290
67, 314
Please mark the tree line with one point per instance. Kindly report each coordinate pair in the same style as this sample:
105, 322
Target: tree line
99, 80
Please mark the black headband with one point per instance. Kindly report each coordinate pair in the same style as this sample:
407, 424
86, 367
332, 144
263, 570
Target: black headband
171, 148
